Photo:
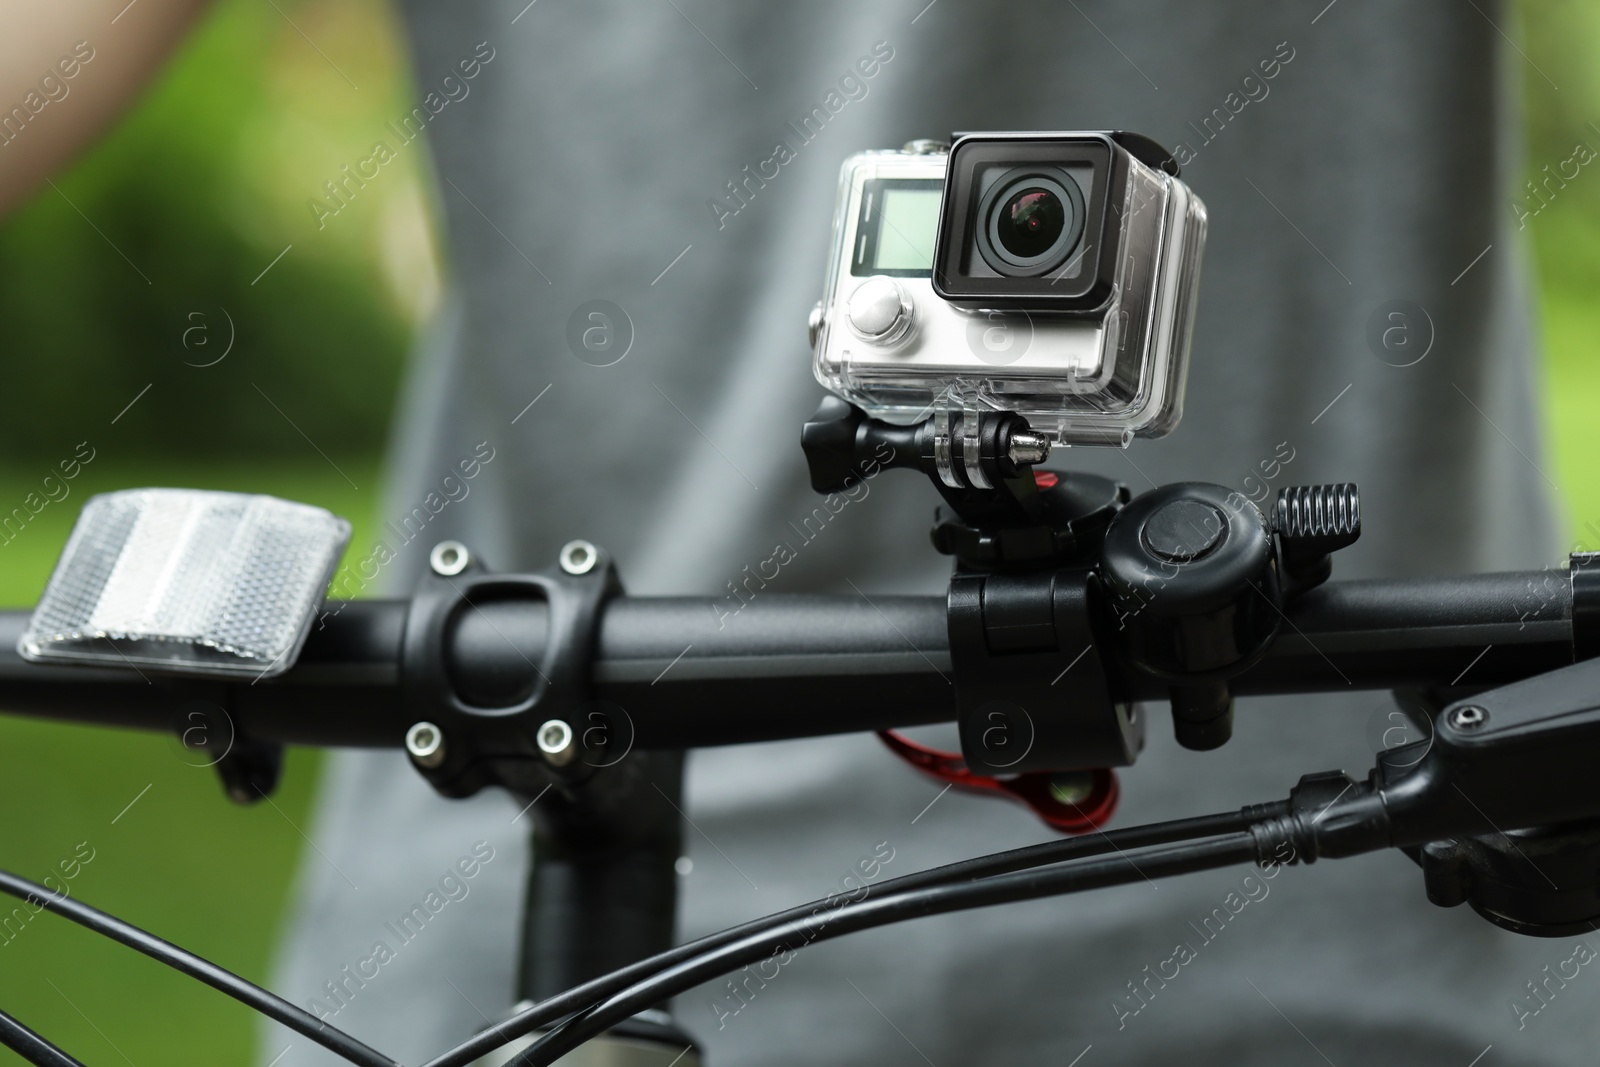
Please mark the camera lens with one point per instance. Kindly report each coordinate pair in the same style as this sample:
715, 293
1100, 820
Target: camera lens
1030, 222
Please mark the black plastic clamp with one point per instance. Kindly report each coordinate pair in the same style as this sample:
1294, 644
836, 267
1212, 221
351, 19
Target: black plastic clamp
1014, 637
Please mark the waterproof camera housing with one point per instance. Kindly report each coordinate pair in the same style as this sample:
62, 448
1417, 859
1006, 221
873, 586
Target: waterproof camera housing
1048, 274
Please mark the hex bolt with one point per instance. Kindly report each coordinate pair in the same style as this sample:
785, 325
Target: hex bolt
449, 558
1468, 717
425, 742
556, 741
579, 557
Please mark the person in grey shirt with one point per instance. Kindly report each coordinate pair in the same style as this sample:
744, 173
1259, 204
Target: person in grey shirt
1352, 156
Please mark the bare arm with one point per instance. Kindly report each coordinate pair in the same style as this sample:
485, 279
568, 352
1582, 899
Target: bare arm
67, 71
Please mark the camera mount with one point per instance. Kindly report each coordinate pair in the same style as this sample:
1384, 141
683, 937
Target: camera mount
999, 513
1069, 574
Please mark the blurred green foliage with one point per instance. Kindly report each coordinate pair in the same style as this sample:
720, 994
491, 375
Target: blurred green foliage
1560, 80
202, 186
129, 270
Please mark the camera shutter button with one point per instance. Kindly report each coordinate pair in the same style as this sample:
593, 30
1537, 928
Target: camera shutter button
880, 310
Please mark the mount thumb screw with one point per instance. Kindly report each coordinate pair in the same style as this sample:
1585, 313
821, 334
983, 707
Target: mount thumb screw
1027, 448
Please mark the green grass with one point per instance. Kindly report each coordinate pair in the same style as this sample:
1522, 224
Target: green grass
1572, 409
1566, 247
183, 861
25, 562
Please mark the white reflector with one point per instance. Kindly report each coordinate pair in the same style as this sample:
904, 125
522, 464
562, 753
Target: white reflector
187, 581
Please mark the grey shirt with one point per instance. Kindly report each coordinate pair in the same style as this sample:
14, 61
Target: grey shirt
590, 160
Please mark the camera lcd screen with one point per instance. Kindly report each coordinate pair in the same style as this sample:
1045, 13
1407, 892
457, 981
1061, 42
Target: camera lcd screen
898, 227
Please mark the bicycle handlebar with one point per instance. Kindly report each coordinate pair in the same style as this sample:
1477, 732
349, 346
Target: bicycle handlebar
790, 666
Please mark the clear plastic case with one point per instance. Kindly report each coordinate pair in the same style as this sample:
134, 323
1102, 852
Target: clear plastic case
1103, 377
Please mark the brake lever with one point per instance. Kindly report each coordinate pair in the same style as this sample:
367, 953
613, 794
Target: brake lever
1069, 802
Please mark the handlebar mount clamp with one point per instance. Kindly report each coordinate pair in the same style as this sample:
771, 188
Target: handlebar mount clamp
499, 688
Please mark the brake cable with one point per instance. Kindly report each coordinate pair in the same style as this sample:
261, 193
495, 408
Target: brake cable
185, 962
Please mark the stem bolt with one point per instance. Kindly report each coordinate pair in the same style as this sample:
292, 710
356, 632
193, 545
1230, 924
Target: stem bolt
449, 558
579, 557
555, 740
425, 742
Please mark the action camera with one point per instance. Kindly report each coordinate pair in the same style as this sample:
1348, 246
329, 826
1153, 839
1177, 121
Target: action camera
1048, 274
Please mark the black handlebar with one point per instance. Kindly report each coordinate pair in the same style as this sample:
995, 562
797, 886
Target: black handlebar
789, 666
687, 673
